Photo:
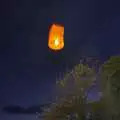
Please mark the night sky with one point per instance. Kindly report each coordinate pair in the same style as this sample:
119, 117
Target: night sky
28, 69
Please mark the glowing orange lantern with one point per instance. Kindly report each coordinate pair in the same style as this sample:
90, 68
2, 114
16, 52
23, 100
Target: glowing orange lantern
56, 37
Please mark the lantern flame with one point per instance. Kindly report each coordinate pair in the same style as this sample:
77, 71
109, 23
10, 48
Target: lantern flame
56, 42
56, 37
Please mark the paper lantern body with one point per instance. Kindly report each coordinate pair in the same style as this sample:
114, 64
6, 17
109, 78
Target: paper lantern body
56, 37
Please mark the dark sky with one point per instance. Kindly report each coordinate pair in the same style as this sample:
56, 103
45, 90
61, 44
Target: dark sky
28, 69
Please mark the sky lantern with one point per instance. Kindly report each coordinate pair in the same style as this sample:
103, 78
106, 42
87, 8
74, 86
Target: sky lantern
56, 37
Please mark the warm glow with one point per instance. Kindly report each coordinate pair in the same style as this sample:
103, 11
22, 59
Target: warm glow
56, 37
56, 42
